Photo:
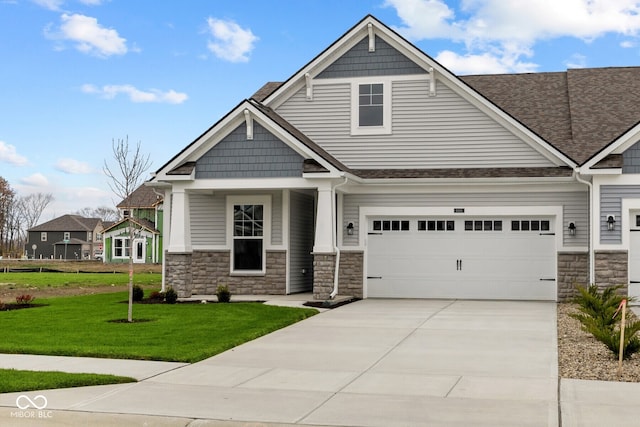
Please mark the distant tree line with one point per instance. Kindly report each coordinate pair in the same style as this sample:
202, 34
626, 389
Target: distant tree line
20, 213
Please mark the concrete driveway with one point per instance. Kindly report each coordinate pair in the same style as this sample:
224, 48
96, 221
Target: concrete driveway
370, 363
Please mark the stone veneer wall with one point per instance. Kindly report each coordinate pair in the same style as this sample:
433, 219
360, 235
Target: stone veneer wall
200, 273
612, 269
350, 274
178, 273
573, 270
323, 273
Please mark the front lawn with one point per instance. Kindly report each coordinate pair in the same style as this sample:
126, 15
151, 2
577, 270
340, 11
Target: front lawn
12, 380
47, 280
83, 326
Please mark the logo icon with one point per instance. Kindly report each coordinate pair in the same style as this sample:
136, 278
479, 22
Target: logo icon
25, 402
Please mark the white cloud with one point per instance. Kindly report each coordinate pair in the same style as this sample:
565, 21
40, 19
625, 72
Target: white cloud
628, 44
576, 61
9, 154
49, 4
231, 42
137, 95
89, 36
35, 180
74, 167
505, 32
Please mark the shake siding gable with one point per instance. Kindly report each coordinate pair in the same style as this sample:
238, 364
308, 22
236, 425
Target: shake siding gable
631, 159
265, 156
444, 131
359, 62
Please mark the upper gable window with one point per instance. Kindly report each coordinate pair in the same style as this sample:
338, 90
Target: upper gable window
370, 107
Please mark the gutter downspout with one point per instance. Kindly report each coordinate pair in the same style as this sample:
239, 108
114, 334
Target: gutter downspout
334, 224
592, 256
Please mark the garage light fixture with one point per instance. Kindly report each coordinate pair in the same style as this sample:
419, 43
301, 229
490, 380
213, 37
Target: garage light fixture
611, 222
350, 229
572, 228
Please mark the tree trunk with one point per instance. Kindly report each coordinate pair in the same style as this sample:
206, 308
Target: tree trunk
130, 311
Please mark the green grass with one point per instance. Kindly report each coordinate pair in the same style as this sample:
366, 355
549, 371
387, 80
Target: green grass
45, 280
12, 380
80, 326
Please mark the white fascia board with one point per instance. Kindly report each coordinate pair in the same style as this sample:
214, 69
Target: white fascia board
619, 146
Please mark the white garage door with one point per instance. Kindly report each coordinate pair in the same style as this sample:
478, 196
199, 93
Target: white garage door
467, 258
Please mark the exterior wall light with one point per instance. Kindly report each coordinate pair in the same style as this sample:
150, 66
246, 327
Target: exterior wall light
350, 229
572, 229
611, 222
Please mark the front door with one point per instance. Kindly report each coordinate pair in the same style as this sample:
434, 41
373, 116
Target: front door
139, 250
634, 256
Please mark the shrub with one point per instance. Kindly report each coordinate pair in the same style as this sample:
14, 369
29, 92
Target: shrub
138, 293
2, 306
223, 293
156, 296
598, 317
171, 296
25, 299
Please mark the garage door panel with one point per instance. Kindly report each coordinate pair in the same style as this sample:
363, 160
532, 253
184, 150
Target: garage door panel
474, 263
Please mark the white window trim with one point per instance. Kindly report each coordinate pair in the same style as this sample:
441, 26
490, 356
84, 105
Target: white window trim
66, 235
124, 248
265, 201
385, 129
43, 236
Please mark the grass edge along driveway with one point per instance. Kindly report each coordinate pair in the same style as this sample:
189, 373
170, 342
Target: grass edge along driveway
83, 326
15, 380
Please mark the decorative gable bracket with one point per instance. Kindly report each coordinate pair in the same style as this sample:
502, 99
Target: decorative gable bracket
249, 121
307, 80
432, 82
372, 38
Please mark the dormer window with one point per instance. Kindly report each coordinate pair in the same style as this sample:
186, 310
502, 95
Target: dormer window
126, 213
371, 107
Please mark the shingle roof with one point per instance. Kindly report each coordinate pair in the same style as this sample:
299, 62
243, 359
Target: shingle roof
68, 223
142, 197
579, 111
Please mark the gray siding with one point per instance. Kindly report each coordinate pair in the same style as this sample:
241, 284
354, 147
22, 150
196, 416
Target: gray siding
576, 207
631, 159
301, 242
611, 204
208, 217
359, 62
444, 131
236, 157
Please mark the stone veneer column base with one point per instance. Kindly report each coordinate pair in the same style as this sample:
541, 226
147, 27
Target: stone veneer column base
178, 273
612, 269
323, 273
350, 274
573, 271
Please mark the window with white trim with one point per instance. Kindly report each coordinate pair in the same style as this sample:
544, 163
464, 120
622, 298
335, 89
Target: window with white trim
371, 107
120, 247
67, 235
250, 233
43, 236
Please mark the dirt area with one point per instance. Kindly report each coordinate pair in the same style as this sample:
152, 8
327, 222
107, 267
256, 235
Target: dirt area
581, 356
9, 295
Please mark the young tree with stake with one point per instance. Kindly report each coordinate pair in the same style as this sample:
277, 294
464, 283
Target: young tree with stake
130, 166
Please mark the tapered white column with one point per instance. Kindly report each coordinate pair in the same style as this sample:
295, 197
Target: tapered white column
324, 221
180, 235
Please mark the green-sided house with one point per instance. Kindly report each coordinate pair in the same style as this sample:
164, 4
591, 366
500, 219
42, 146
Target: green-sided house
144, 208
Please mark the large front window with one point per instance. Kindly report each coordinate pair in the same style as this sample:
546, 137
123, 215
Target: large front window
121, 247
248, 236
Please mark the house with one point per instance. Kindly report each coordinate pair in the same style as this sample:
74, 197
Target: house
144, 208
374, 171
67, 237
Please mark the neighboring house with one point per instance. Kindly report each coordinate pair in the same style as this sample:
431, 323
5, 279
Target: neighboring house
144, 206
374, 171
66, 237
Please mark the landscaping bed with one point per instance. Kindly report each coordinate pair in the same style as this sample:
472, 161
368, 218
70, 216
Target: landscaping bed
581, 356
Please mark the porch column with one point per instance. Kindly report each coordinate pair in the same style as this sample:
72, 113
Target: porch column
324, 222
180, 235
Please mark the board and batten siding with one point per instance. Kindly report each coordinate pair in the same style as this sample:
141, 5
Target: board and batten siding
301, 239
575, 207
444, 131
611, 204
208, 217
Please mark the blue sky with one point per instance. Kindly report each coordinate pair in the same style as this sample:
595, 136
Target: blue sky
77, 74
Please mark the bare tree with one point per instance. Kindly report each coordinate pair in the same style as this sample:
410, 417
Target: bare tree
105, 213
130, 166
7, 200
32, 207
